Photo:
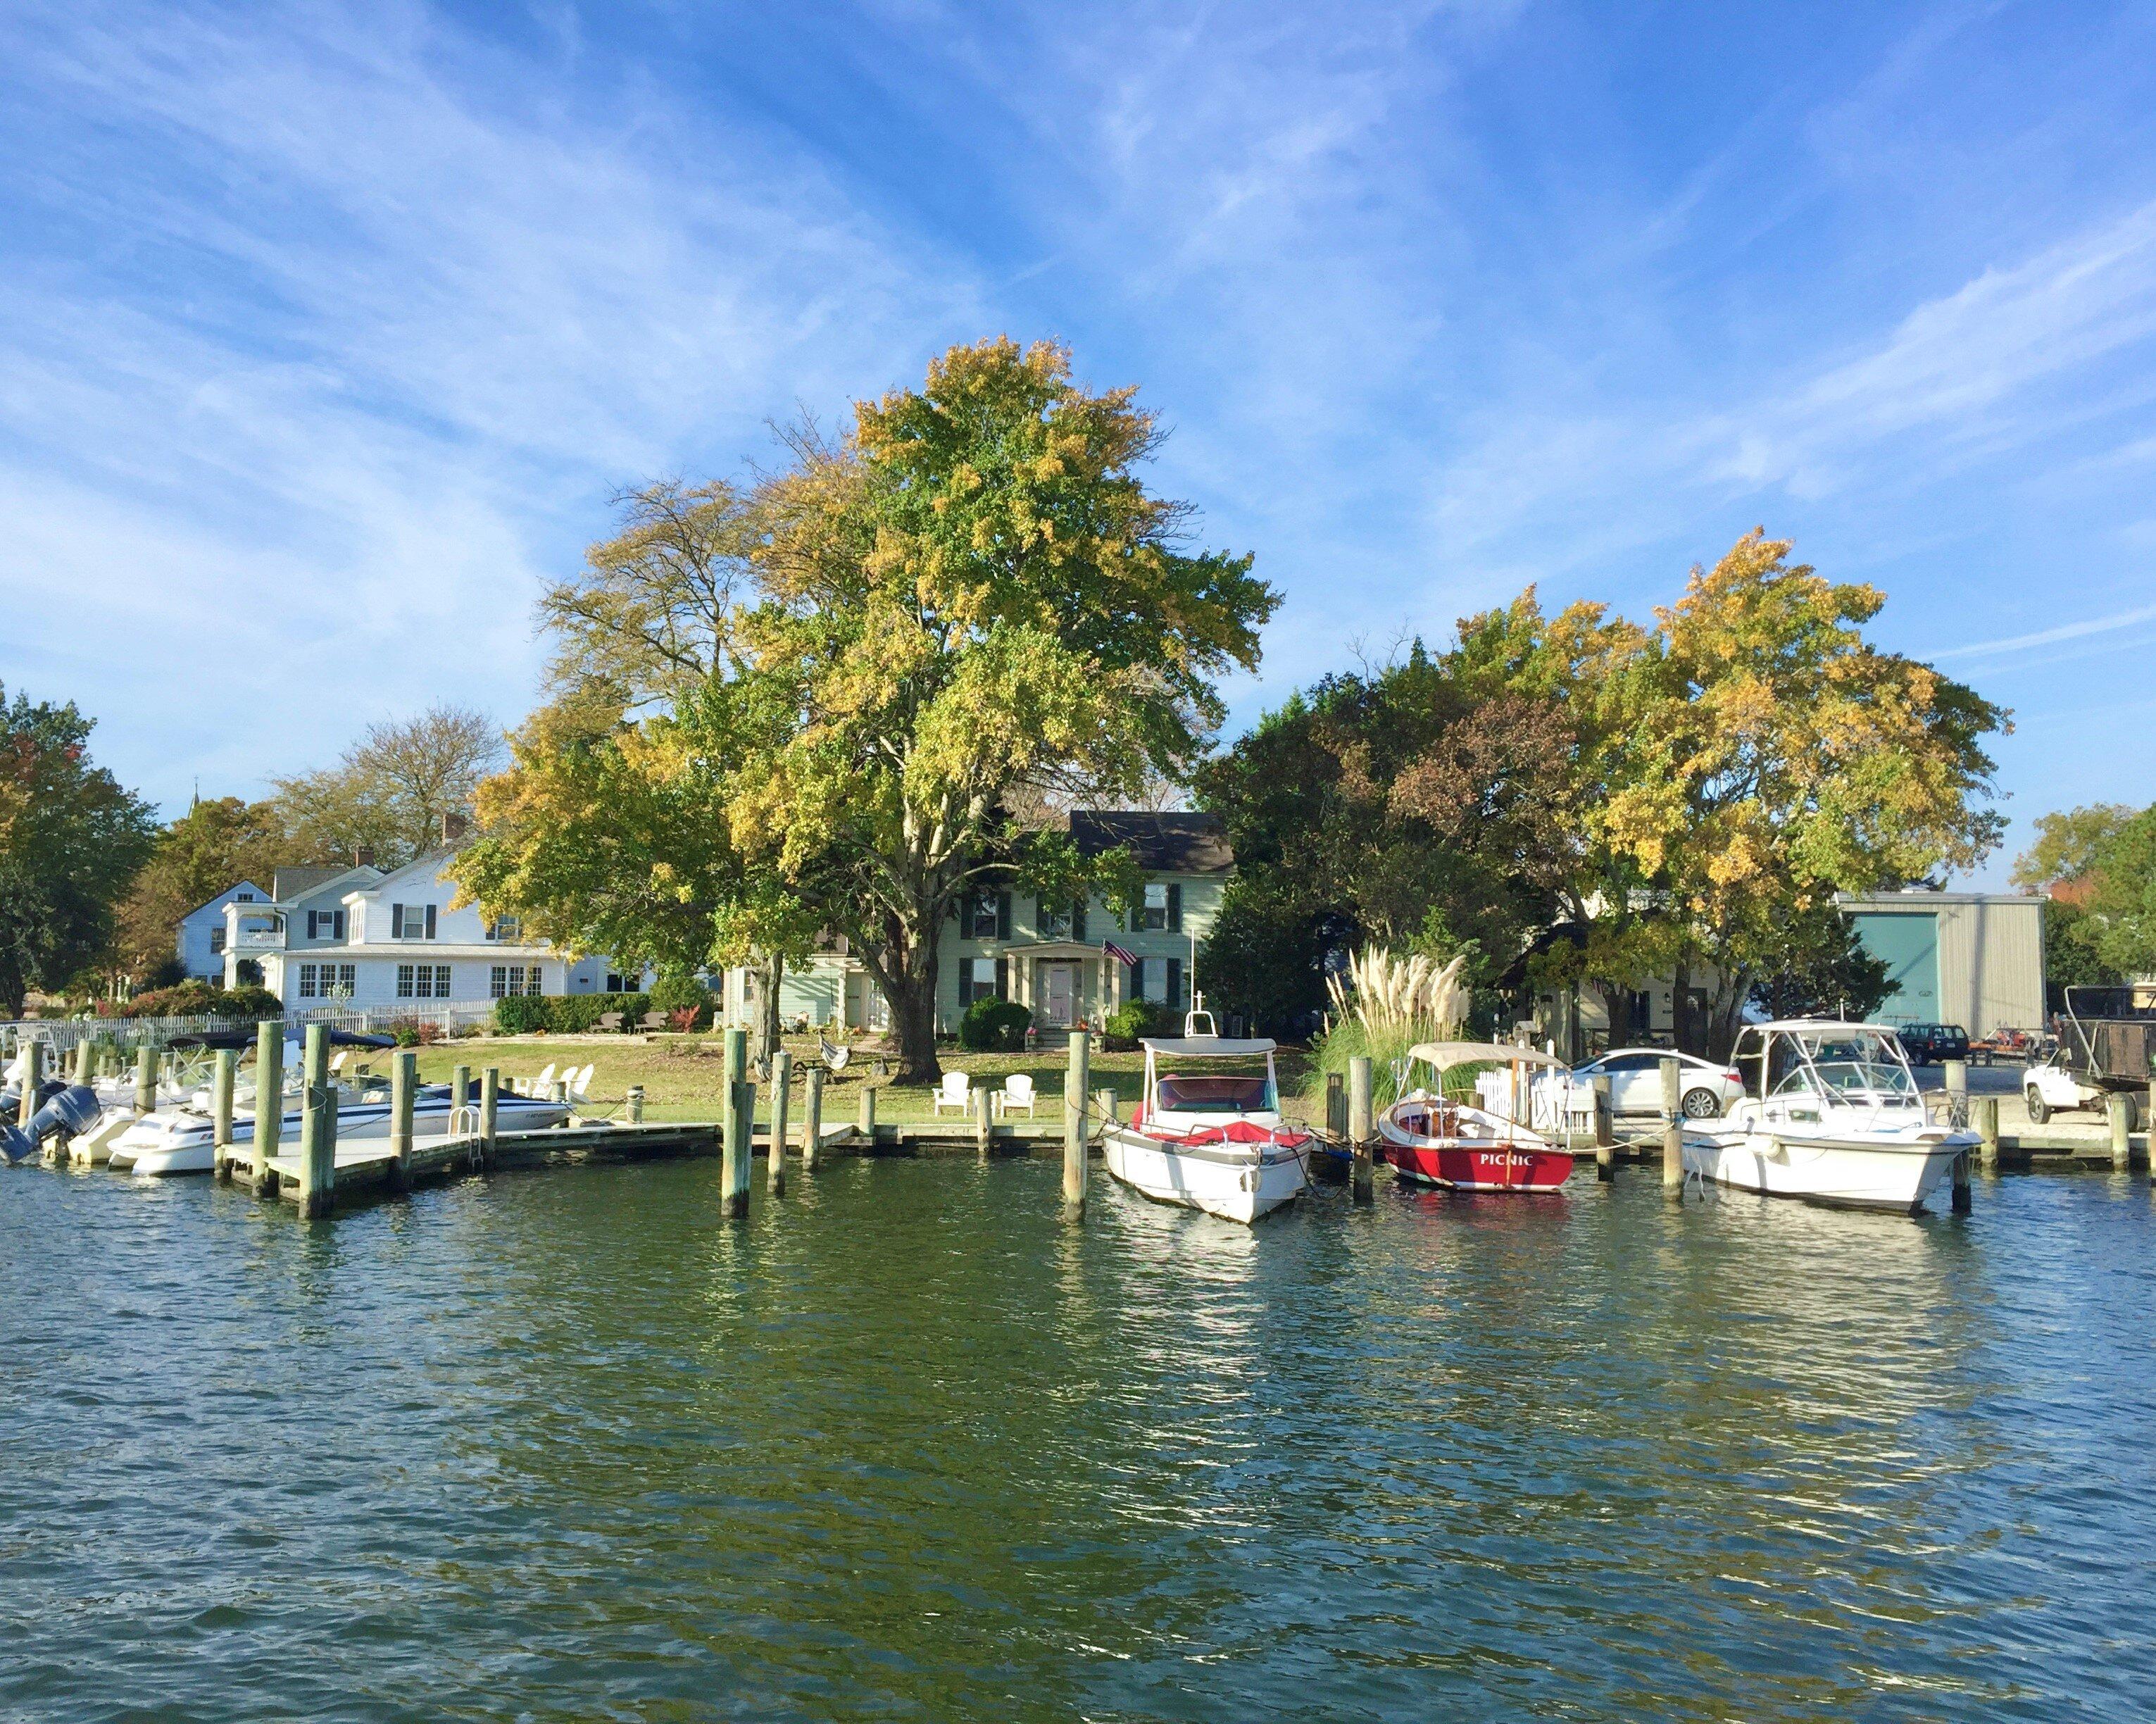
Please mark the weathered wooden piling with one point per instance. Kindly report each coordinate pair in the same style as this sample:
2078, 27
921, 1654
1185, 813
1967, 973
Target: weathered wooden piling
868, 1113
2118, 1115
811, 1118
1605, 1134
781, 1093
82, 1060
1984, 1111
1075, 1077
1104, 1106
1957, 1082
1361, 1129
1335, 1107
145, 1079
34, 1074
489, 1111
1961, 1201
269, 1103
460, 1095
403, 1087
634, 1103
318, 1118
983, 1119
740, 1120
1673, 1127
223, 1077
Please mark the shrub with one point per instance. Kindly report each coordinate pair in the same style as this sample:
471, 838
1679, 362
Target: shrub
572, 1014
198, 999
519, 1014
406, 1035
994, 1027
674, 995
1135, 1018
167, 973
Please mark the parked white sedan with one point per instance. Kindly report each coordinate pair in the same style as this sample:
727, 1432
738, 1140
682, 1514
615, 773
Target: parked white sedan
1704, 1090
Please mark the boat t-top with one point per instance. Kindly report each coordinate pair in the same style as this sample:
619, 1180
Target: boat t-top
1210, 1140
1831, 1113
1432, 1139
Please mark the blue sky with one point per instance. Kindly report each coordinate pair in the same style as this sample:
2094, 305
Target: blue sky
325, 333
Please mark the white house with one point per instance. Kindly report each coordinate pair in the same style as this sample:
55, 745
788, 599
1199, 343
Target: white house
379, 941
199, 939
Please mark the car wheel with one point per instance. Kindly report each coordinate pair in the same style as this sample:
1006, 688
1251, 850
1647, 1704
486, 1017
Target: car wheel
1702, 1104
2040, 1110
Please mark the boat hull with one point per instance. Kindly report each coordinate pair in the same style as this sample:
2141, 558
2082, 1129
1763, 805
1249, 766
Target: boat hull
1237, 1182
1462, 1167
179, 1141
1842, 1173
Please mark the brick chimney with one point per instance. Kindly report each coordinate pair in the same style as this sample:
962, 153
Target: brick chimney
454, 825
362, 856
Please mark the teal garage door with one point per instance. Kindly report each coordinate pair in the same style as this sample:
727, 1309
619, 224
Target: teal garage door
1907, 943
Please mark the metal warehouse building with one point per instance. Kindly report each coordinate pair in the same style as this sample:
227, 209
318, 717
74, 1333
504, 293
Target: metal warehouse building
1966, 958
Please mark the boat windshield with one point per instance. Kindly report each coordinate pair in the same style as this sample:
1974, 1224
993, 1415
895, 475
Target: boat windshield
1229, 1094
1849, 1079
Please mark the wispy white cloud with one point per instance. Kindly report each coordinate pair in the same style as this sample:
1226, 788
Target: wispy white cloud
2095, 626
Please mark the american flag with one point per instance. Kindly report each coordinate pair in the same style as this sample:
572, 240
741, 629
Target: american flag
1109, 949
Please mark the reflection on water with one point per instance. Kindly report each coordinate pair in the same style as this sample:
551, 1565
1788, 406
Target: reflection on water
568, 1446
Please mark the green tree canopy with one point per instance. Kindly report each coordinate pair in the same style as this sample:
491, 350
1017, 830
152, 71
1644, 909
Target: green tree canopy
215, 845
71, 840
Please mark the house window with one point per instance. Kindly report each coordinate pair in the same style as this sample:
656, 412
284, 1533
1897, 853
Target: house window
242, 897
412, 922
509, 980
980, 979
1159, 980
986, 916
423, 981
1063, 922
1153, 912
325, 924
509, 928
307, 981
617, 983
404, 981
217, 939
347, 978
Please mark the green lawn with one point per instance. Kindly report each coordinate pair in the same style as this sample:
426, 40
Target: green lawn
683, 1076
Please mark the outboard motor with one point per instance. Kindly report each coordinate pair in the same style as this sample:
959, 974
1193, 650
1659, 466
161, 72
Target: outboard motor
69, 1108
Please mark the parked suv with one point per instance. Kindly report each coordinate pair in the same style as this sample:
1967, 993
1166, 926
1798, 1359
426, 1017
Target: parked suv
1927, 1044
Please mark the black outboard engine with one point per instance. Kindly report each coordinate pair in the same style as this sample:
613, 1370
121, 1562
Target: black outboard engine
69, 1108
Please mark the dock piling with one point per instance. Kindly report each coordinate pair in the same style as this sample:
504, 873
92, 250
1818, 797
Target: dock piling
1605, 1135
145, 1079
1985, 1108
1362, 1128
460, 1093
635, 1104
1336, 1107
1673, 1127
403, 1085
868, 1113
739, 1119
1075, 1078
811, 1118
2118, 1115
781, 1093
269, 1103
225, 1075
34, 1074
1956, 1081
1961, 1200
489, 1111
984, 1108
82, 1060
317, 1126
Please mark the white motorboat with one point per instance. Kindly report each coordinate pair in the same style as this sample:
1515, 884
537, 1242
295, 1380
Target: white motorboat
1215, 1141
179, 1139
1832, 1114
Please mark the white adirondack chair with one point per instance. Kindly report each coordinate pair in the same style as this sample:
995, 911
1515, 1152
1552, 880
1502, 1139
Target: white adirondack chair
543, 1083
954, 1096
1017, 1094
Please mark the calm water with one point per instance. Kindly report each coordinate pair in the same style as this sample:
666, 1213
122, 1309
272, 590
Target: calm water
567, 1446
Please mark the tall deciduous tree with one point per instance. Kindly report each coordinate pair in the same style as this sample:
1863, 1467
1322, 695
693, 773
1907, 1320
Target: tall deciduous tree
974, 596
71, 838
2121, 924
1767, 756
402, 790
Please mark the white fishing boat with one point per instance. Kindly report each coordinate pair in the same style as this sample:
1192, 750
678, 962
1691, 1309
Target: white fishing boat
179, 1139
1831, 1113
1210, 1140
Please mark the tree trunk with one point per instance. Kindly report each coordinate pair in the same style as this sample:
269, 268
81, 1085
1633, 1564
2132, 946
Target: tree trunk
1617, 1010
767, 980
1730, 993
913, 1022
1680, 1005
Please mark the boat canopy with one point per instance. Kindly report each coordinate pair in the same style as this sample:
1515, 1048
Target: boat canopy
1443, 1056
1208, 1046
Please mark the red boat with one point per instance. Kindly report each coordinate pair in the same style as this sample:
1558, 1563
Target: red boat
1431, 1141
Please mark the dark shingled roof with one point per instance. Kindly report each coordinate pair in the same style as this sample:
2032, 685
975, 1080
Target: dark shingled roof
289, 883
1172, 843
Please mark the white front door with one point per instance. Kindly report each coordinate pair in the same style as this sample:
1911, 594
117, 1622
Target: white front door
1058, 992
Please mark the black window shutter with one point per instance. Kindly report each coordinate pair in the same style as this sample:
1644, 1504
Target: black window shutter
1137, 912
336, 932
1078, 919
1137, 980
1174, 907
397, 921
1002, 922
430, 921
1003, 978
1174, 978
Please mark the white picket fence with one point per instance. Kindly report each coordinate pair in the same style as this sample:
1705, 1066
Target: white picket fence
63, 1034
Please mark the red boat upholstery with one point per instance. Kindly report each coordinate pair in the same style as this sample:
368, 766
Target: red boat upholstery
1237, 1131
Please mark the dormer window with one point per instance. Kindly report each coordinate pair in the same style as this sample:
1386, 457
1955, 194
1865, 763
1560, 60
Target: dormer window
325, 924
412, 921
